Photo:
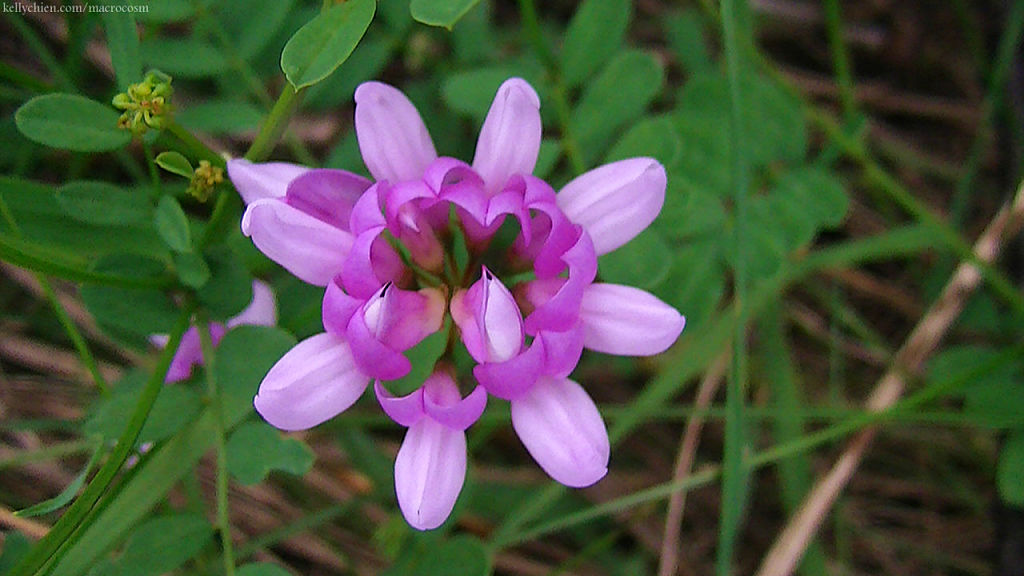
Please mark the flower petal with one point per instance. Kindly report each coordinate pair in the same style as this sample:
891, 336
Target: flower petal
489, 319
429, 472
392, 137
443, 402
405, 410
510, 137
627, 321
307, 247
563, 431
313, 382
615, 202
188, 354
327, 195
259, 181
262, 311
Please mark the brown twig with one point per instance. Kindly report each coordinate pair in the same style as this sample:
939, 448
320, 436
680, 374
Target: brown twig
785, 554
669, 561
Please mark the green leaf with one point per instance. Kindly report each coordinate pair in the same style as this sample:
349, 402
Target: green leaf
71, 122
67, 494
423, 357
619, 95
1010, 470
163, 544
244, 357
175, 163
188, 57
44, 222
594, 35
220, 117
166, 11
123, 43
773, 120
687, 211
320, 46
643, 262
229, 290
809, 199
172, 225
444, 13
696, 281
472, 92
175, 407
104, 204
654, 137
192, 269
684, 31
262, 569
254, 23
365, 63
255, 449
995, 398
460, 555
132, 314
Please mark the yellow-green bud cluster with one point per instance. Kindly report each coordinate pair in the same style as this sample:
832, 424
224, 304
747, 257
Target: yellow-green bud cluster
146, 104
205, 177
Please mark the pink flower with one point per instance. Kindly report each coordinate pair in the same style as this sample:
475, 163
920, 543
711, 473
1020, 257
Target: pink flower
420, 244
262, 311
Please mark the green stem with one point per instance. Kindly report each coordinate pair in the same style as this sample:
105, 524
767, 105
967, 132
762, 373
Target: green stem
154, 174
34, 560
275, 124
735, 471
558, 90
223, 516
840, 59
194, 144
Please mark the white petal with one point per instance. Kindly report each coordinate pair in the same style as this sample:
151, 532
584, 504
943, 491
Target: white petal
315, 381
615, 202
563, 431
627, 321
429, 472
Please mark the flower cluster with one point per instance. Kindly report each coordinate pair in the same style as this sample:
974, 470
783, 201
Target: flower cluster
486, 251
146, 104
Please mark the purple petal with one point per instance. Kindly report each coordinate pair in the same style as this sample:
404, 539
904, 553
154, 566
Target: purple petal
372, 356
563, 431
405, 410
510, 137
514, 377
315, 381
443, 402
429, 472
562, 351
259, 181
615, 202
262, 311
186, 357
308, 248
561, 312
337, 308
392, 137
327, 195
489, 319
627, 321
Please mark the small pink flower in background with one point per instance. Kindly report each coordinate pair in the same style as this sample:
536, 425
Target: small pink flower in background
419, 244
262, 311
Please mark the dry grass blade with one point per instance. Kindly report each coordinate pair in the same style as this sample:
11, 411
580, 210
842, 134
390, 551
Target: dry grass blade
669, 562
789, 547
